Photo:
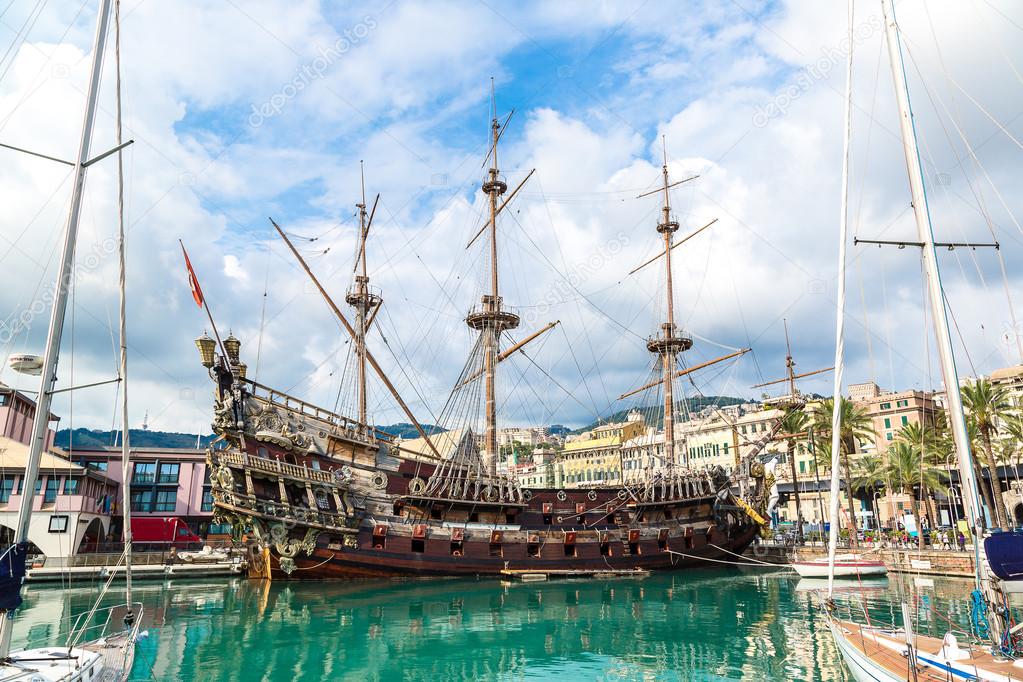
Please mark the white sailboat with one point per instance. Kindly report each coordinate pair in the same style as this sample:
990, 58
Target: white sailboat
101, 642
886, 654
843, 566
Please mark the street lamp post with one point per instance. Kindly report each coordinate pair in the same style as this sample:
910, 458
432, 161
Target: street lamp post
877, 516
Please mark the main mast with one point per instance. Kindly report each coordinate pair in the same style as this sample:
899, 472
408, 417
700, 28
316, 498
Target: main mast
490, 320
936, 299
361, 299
41, 421
667, 345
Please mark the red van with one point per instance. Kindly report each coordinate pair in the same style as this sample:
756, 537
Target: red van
168, 531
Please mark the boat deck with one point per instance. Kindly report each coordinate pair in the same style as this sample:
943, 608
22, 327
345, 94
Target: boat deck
885, 647
117, 653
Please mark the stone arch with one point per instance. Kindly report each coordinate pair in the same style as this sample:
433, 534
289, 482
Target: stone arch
92, 536
56, 545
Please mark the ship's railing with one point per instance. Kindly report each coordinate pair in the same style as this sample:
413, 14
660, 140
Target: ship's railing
286, 512
276, 466
290, 402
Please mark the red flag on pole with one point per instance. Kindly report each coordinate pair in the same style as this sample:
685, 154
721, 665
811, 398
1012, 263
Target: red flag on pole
193, 281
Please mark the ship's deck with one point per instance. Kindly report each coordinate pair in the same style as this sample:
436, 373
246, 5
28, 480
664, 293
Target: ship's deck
884, 647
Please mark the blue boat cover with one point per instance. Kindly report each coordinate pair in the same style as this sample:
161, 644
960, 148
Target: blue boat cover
1005, 555
12, 574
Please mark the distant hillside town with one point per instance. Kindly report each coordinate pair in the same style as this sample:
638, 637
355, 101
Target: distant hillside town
81, 474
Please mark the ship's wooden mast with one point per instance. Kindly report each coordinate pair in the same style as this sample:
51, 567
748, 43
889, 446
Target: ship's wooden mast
667, 345
361, 299
490, 320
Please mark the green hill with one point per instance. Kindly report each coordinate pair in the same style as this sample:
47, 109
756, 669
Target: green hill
406, 431
84, 438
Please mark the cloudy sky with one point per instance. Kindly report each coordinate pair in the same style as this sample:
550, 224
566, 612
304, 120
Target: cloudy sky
245, 110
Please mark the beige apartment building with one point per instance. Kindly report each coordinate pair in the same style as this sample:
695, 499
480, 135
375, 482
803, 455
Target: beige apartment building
595, 457
890, 411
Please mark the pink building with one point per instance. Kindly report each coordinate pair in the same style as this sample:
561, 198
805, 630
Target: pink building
78, 503
165, 482
17, 411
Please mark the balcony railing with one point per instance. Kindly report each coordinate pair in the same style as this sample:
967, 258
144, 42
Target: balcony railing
288, 402
276, 466
282, 510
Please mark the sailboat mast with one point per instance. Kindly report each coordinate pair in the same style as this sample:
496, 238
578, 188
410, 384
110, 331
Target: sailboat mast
123, 319
936, 300
41, 421
843, 231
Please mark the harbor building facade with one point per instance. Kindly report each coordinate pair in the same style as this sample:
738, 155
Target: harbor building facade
595, 458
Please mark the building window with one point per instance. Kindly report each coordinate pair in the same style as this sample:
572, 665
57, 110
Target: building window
889, 435
169, 473
4, 399
58, 524
905, 420
144, 472
887, 423
71, 485
141, 500
886, 406
802, 467
51, 490
6, 488
166, 500
207, 501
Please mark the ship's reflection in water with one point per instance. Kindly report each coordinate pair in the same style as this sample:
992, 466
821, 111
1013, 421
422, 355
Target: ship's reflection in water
702, 625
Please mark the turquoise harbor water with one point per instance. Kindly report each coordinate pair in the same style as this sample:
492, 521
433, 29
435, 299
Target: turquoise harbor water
697, 625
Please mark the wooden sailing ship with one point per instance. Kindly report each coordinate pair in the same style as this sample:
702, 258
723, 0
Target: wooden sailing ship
327, 495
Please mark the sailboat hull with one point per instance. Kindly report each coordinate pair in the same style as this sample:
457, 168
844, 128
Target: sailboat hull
862, 668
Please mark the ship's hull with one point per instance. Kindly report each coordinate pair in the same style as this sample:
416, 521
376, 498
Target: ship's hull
324, 498
341, 563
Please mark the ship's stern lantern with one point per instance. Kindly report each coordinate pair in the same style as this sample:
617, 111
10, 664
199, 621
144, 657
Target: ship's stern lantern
206, 347
242, 369
232, 346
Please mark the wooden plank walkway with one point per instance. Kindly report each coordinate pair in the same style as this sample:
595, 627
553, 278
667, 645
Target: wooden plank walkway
884, 647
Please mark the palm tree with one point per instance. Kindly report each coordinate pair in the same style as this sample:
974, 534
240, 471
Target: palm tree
946, 446
906, 471
868, 475
986, 404
926, 438
1013, 427
1007, 455
856, 424
792, 424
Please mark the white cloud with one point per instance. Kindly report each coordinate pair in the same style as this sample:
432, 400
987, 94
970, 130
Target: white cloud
408, 96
